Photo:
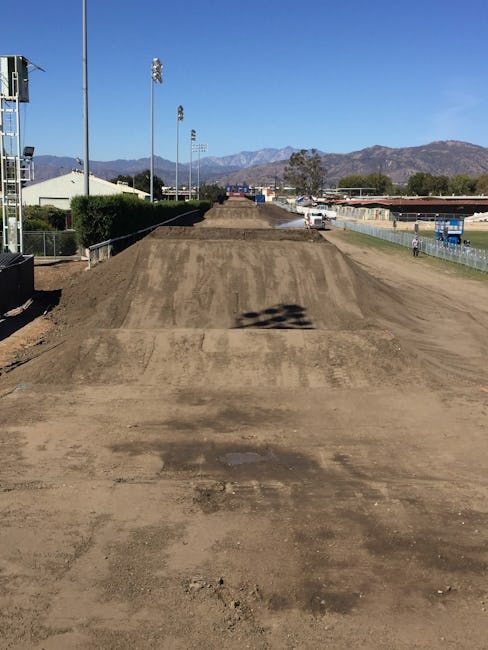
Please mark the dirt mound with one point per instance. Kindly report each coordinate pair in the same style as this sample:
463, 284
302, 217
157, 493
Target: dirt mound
240, 234
235, 213
188, 304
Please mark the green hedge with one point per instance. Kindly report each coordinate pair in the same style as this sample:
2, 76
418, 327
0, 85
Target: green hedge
36, 224
56, 217
98, 218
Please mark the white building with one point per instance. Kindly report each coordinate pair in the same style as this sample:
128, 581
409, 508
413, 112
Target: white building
60, 190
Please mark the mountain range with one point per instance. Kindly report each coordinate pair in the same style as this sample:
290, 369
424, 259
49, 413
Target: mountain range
266, 166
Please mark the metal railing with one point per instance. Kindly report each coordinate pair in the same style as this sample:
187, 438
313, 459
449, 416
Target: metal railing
105, 249
474, 258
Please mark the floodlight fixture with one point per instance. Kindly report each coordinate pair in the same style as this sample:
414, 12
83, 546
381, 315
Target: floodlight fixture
157, 70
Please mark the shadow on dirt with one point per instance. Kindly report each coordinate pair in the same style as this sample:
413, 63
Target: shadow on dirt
276, 317
42, 303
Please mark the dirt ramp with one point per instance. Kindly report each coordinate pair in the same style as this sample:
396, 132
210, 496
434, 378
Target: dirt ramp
235, 213
223, 359
243, 283
214, 233
220, 278
204, 306
102, 297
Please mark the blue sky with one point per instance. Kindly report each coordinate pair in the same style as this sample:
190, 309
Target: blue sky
337, 76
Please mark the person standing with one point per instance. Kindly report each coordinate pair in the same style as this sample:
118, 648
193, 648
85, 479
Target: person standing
415, 246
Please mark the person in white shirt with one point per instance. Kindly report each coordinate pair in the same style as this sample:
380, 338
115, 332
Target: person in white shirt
415, 246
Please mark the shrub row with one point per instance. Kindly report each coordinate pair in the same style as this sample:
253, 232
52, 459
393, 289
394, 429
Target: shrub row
99, 218
45, 217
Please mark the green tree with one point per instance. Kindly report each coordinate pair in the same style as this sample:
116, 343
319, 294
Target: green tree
121, 178
213, 193
421, 184
440, 185
482, 184
425, 184
142, 182
305, 172
399, 190
382, 183
462, 184
354, 180
378, 182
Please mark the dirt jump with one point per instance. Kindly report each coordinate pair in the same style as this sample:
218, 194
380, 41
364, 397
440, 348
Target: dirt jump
235, 436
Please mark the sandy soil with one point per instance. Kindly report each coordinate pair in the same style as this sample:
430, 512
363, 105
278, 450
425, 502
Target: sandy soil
234, 436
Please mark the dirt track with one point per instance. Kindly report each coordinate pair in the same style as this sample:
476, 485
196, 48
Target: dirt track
238, 437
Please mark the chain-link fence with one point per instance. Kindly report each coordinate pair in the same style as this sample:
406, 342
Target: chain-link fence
475, 258
63, 243
49, 243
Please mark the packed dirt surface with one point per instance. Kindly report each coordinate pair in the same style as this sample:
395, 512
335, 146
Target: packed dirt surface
240, 436
25, 326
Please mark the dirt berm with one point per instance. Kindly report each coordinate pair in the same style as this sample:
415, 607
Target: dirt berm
241, 436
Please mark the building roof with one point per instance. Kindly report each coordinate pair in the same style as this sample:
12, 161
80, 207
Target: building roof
60, 190
467, 205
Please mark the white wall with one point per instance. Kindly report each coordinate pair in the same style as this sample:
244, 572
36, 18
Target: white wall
60, 190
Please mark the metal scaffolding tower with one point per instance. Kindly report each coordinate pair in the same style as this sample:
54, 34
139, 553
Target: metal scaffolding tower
16, 164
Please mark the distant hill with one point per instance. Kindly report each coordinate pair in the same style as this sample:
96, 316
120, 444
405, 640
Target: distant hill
438, 158
211, 167
263, 167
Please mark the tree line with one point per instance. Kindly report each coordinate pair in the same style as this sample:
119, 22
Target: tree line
142, 182
305, 172
420, 184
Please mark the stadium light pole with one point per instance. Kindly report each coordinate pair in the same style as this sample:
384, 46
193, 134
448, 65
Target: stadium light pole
193, 137
86, 161
199, 148
179, 118
156, 77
